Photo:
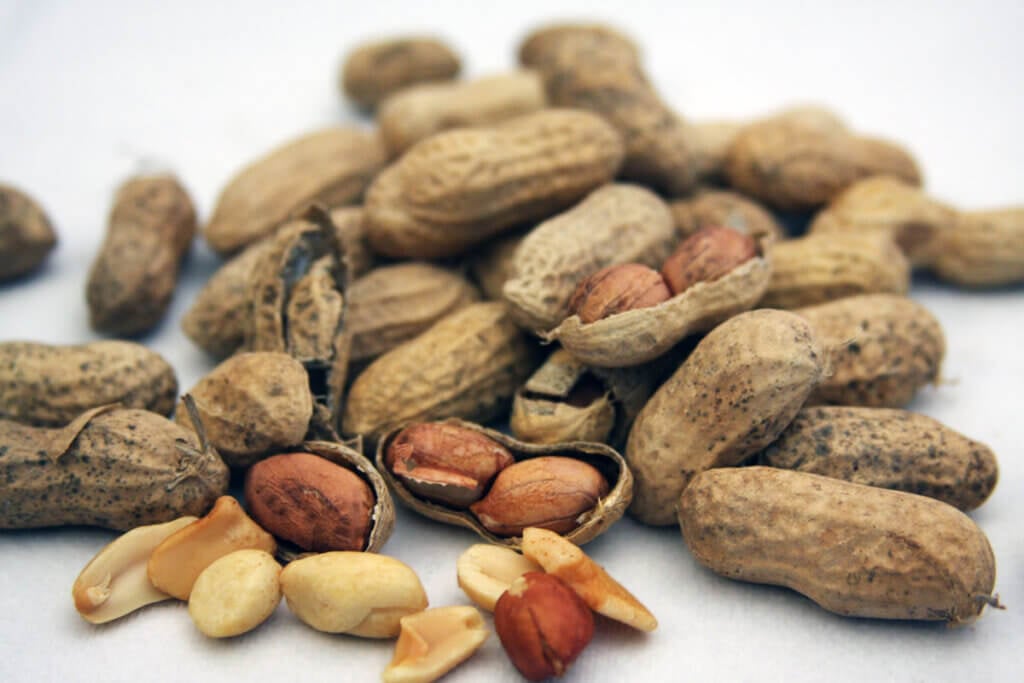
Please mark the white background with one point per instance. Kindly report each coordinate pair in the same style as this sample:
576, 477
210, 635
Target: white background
91, 92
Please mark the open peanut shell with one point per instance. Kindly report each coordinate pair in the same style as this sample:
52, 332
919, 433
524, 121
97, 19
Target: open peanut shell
642, 334
605, 459
347, 454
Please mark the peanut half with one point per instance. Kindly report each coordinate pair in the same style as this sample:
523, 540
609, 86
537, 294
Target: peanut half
433, 642
235, 594
486, 571
114, 583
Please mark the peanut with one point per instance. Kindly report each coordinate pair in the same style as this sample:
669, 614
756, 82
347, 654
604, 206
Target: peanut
732, 397
235, 594
434, 642
374, 70
855, 550
492, 264
415, 113
705, 256
616, 289
461, 187
486, 571
893, 449
26, 234
48, 386
150, 230
724, 208
331, 166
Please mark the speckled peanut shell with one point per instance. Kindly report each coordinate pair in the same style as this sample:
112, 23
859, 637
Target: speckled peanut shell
493, 264
468, 365
819, 268
372, 71
984, 249
382, 515
544, 409
891, 449
858, 551
890, 206
725, 208
393, 304
883, 348
607, 461
26, 233
730, 398
252, 404
298, 303
332, 167
458, 188
109, 467
48, 385
149, 231
710, 142
600, 72
539, 46
797, 163
643, 334
415, 113
614, 224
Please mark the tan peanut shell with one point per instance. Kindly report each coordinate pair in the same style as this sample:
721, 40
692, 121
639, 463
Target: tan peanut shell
600, 72
332, 167
252, 404
641, 335
351, 235
297, 303
883, 348
727, 209
466, 365
149, 231
540, 45
374, 70
891, 449
819, 268
798, 162
392, 304
608, 462
858, 551
461, 187
730, 398
710, 142
48, 386
567, 400
615, 224
415, 113
493, 264
109, 467
984, 249
26, 233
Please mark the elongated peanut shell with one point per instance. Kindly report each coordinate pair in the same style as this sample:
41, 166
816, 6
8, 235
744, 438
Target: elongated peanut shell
798, 163
374, 70
26, 234
855, 550
114, 468
461, 187
149, 231
892, 449
418, 112
984, 249
641, 335
331, 166
393, 304
48, 386
493, 264
727, 209
883, 349
467, 365
615, 224
540, 45
820, 268
735, 393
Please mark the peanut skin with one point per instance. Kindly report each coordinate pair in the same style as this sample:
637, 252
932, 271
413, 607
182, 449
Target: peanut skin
855, 550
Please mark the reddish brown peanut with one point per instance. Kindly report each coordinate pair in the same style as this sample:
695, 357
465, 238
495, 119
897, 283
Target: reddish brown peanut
855, 550
706, 256
446, 463
615, 289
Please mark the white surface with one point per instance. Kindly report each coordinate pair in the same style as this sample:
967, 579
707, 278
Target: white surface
93, 91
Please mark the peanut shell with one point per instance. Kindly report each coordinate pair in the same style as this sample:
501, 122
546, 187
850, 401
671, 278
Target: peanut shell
892, 449
332, 167
461, 187
540, 45
372, 71
730, 398
608, 462
48, 386
493, 264
728, 209
984, 249
26, 233
855, 550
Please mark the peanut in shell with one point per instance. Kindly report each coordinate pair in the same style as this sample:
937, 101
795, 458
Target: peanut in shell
26, 233
374, 70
